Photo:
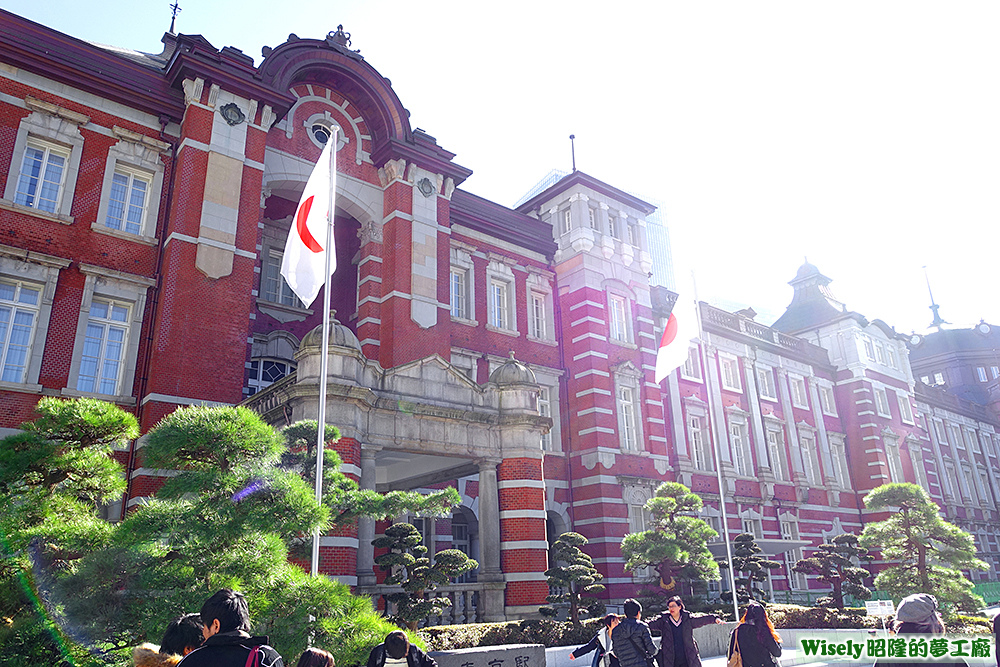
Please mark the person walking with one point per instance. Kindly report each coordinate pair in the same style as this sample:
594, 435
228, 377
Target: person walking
397, 651
183, 635
315, 657
631, 639
677, 645
601, 643
755, 638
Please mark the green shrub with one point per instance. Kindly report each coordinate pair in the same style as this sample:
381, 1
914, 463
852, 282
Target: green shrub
821, 618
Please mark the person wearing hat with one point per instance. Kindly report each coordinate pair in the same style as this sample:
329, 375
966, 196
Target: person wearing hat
918, 614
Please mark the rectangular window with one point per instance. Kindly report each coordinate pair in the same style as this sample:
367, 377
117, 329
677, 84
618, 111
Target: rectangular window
890, 355
692, 366
881, 402
43, 171
798, 388
619, 319
790, 531
984, 479
981, 372
971, 441
730, 374
19, 303
955, 435
537, 319
939, 378
741, 453
633, 234
905, 409
567, 221
499, 311
809, 460
776, 449
102, 360
276, 290
826, 401
765, 383
127, 201
459, 295
751, 527
880, 354
893, 459
613, 226
626, 407
995, 372
545, 410
592, 217
839, 463
869, 348
700, 456
917, 464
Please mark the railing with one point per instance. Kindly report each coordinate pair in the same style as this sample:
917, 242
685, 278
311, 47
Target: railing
717, 317
465, 606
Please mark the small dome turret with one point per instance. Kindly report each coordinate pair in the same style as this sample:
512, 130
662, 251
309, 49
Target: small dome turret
513, 371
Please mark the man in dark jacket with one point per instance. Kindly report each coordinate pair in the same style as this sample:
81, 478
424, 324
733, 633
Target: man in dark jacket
677, 645
632, 641
397, 651
227, 639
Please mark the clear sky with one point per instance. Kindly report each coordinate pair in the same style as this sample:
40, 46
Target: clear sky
860, 134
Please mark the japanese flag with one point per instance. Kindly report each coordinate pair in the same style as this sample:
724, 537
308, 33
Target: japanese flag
304, 263
682, 327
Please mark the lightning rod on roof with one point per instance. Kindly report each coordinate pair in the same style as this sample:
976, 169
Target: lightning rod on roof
572, 149
174, 10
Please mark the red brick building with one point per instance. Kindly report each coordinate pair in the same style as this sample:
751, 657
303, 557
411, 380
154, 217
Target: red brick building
507, 352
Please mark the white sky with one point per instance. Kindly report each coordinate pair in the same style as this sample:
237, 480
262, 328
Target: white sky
861, 134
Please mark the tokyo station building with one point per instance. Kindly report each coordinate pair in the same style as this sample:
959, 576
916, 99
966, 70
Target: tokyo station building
507, 352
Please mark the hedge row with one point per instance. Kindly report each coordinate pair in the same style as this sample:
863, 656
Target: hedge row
555, 633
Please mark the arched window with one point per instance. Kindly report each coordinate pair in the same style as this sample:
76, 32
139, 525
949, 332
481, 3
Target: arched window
264, 372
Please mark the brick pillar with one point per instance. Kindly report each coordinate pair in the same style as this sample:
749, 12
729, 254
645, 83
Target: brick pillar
523, 547
338, 549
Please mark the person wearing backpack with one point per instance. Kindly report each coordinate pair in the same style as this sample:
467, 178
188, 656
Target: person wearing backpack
227, 638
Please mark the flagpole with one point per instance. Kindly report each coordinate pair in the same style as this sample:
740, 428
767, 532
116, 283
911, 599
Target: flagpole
718, 464
324, 359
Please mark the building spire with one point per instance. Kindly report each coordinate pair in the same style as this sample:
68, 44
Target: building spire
572, 149
937, 321
175, 9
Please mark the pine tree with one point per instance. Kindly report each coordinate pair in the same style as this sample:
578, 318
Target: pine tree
748, 560
930, 553
676, 542
408, 565
839, 564
573, 573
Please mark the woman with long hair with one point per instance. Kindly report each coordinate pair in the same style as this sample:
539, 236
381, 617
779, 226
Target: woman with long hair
755, 638
917, 614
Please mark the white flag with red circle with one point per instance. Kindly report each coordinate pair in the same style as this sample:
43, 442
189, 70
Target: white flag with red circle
303, 265
682, 327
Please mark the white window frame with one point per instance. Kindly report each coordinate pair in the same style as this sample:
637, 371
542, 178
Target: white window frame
810, 458
971, 441
461, 264
916, 454
255, 383
699, 442
614, 230
544, 404
776, 453
619, 319
752, 526
955, 435
539, 285
691, 368
729, 372
42, 270
740, 446
766, 388
633, 233
905, 409
790, 531
138, 156
58, 127
970, 479
881, 401
50, 152
938, 378
106, 325
827, 400
995, 372
797, 391
628, 407
869, 346
891, 356
107, 284
981, 372
880, 354
567, 221
894, 459
592, 218
500, 277
838, 457
271, 259
25, 301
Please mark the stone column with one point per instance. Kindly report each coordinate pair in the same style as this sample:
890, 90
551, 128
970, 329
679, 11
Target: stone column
366, 525
489, 542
